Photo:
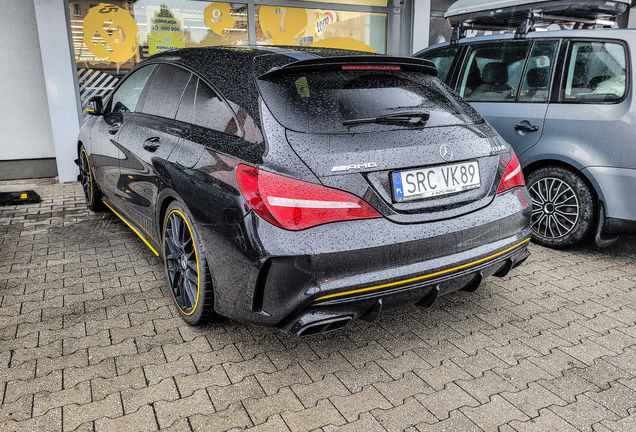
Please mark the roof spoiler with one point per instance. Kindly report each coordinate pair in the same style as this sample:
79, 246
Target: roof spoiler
522, 16
358, 62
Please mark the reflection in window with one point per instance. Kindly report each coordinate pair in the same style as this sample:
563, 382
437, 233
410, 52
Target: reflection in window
535, 85
127, 95
353, 2
596, 72
361, 31
211, 112
443, 60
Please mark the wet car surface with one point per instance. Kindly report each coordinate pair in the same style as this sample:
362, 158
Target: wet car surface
300, 189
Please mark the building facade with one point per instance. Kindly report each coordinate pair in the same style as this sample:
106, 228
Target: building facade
66, 51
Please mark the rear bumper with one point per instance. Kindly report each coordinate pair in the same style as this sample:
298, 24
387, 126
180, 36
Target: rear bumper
331, 312
350, 269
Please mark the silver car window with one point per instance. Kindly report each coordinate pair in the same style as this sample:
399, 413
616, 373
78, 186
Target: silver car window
535, 85
493, 72
595, 73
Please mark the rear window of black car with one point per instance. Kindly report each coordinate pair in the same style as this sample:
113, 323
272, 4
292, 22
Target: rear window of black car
329, 101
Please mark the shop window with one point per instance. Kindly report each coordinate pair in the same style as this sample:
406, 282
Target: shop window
109, 39
382, 3
360, 31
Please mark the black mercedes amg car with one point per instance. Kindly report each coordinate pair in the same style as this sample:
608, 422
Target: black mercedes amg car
300, 189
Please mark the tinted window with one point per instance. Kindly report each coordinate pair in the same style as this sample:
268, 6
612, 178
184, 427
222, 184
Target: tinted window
322, 102
211, 112
493, 72
443, 59
165, 91
535, 86
127, 95
595, 72
200, 105
185, 112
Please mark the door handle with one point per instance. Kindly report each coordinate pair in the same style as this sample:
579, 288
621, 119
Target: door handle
114, 128
526, 128
152, 144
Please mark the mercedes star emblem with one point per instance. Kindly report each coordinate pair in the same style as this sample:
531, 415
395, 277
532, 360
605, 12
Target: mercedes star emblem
445, 152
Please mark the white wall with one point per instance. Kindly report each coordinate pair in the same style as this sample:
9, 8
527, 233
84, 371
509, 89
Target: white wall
25, 123
421, 24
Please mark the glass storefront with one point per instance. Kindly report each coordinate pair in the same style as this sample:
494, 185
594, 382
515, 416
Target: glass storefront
109, 39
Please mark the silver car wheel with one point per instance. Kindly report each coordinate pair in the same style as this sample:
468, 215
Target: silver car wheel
555, 208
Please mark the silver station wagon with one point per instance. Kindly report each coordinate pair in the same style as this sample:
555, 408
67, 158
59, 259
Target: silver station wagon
563, 99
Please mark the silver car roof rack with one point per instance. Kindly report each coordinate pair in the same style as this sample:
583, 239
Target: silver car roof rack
523, 16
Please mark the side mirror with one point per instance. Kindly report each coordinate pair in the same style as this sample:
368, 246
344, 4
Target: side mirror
95, 106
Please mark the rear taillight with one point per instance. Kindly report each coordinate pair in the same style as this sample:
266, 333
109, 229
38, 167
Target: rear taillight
512, 176
296, 205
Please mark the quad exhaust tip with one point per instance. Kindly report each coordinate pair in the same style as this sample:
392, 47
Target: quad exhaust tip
323, 326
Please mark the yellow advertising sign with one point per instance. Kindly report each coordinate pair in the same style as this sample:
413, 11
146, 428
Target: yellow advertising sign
283, 25
218, 18
165, 30
343, 43
120, 35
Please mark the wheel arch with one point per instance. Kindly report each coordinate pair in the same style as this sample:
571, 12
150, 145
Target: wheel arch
583, 174
164, 202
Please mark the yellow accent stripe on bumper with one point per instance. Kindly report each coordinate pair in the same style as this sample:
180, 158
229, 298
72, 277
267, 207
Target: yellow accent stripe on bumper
132, 228
422, 277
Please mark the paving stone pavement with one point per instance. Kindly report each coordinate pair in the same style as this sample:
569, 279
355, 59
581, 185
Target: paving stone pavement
90, 340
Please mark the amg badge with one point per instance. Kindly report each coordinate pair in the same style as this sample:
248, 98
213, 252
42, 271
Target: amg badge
358, 166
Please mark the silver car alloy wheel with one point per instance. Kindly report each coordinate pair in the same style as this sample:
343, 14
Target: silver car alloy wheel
555, 208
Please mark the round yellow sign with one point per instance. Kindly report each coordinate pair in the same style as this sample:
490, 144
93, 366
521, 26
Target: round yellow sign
218, 18
120, 35
283, 25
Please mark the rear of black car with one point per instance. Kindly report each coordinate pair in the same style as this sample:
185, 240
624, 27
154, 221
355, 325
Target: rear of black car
380, 188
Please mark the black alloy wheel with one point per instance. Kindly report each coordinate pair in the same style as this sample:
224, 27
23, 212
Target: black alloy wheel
186, 266
91, 191
562, 207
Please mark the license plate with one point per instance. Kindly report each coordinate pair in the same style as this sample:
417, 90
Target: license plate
435, 181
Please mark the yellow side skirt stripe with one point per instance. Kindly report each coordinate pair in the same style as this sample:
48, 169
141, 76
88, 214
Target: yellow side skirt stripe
132, 228
422, 277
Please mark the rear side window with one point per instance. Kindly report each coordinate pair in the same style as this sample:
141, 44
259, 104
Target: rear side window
127, 95
340, 101
165, 91
493, 72
443, 59
203, 107
596, 72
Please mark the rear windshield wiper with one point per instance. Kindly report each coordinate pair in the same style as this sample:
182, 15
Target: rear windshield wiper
411, 118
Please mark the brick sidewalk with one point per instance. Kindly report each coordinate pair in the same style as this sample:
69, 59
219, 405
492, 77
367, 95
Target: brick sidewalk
90, 340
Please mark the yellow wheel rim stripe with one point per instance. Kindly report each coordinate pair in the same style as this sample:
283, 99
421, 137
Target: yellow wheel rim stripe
196, 257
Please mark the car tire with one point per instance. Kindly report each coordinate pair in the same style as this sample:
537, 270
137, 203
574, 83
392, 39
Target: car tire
186, 266
91, 191
562, 207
